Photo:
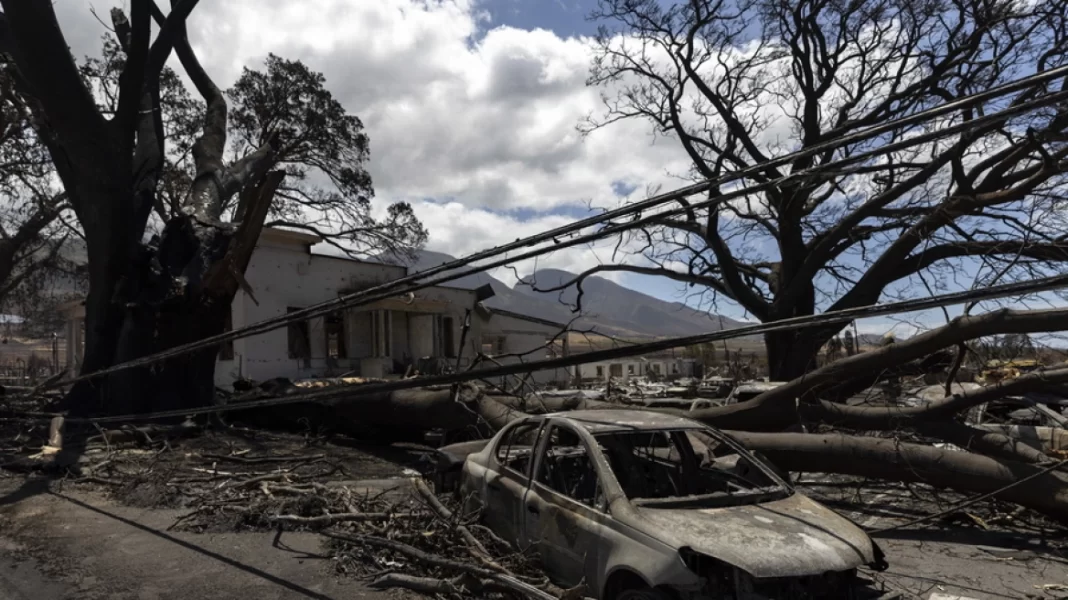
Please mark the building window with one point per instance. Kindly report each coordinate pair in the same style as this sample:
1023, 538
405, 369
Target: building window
334, 324
600, 372
448, 335
615, 370
493, 345
630, 369
299, 339
226, 349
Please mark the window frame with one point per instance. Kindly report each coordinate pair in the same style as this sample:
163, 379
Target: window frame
448, 336
334, 323
538, 426
544, 441
303, 330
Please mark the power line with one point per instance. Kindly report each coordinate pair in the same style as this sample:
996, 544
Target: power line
829, 318
394, 287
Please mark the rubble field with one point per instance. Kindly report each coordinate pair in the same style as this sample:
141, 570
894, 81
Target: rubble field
380, 525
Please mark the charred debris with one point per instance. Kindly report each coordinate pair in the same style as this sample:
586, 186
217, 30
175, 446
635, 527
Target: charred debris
464, 491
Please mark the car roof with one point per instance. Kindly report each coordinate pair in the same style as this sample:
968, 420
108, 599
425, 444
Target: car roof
605, 420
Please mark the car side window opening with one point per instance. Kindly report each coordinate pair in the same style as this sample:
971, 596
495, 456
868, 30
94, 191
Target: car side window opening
567, 468
653, 465
647, 464
516, 447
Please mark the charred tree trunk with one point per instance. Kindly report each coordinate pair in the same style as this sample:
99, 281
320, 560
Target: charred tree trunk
791, 354
175, 291
143, 298
116, 265
142, 312
795, 352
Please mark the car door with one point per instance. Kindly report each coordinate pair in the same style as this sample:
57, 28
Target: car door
506, 485
564, 508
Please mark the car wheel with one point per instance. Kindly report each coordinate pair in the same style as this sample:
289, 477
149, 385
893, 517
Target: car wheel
644, 594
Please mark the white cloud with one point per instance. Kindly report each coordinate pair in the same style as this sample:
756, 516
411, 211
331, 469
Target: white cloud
471, 230
486, 123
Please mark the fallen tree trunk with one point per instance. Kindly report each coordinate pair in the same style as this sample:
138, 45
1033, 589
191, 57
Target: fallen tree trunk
382, 416
798, 401
547, 404
890, 459
420, 409
990, 443
893, 417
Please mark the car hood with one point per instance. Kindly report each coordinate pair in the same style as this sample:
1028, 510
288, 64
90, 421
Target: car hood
791, 537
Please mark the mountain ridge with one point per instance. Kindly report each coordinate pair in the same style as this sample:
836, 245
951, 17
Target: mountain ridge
620, 311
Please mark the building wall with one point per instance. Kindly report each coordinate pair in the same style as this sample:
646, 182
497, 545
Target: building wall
283, 276
626, 369
504, 334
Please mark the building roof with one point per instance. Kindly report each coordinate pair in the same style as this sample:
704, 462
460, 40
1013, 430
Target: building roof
288, 235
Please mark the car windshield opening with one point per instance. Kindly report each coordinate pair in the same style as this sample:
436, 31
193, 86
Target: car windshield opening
668, 467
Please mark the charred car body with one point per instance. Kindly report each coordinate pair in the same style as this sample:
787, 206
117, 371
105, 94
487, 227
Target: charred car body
647, 506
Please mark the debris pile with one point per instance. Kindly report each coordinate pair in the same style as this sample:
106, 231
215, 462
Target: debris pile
387, 530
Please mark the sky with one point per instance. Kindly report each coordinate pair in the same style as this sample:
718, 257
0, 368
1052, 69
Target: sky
471, 106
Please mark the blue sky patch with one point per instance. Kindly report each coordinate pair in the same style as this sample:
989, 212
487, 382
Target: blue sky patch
567, 18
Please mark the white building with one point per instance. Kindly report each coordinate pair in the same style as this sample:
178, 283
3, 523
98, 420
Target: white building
382, 339
510, 338
660, 367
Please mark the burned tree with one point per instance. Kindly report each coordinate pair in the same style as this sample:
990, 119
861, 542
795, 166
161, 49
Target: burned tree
738, 83
122, 165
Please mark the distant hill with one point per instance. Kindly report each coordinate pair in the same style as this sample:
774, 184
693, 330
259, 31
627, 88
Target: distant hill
607, 307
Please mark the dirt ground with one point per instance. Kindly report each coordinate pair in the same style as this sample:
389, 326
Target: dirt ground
66, 544
61, 540
989, 551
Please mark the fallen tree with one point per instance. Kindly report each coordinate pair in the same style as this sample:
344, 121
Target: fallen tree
899, 461
799, 401
384, 416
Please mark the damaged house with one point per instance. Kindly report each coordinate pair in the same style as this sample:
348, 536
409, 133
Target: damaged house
389, 338
657, 366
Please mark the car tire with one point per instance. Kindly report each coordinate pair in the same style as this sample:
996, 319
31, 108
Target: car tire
645, 593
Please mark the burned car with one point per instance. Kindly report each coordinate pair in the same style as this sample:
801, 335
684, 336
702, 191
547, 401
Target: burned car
646, 506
